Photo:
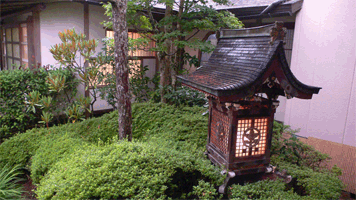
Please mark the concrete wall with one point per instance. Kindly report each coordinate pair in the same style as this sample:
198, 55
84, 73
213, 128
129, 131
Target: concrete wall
324, 55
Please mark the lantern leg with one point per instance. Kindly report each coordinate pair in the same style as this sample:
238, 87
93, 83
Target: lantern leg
222, 188
281, 174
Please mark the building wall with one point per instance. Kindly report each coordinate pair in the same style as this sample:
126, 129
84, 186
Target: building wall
67, 15
324, 55
55, 18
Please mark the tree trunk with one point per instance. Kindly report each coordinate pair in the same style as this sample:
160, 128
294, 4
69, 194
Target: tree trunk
165, 58
121, 69
179, 62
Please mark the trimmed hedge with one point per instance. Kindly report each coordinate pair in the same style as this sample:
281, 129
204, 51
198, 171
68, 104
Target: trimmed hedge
265, 189
124, 170
22, 147
52, 149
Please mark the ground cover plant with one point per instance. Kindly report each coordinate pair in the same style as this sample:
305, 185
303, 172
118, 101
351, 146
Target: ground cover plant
85, 160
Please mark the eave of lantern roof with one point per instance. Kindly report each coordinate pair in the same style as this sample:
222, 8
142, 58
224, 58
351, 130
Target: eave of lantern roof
240, 60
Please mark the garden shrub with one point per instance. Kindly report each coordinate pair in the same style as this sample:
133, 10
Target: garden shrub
19, 149
290, 149
183, 126
165, 160
50, 151
265, 189
119, 170
205, 190
14, 86
316, 184
180, 96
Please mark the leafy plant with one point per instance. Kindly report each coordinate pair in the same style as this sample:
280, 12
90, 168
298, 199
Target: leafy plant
19, 86
75, 112
33, 101
205, 190
74, 47
46, 118
287, 147
9, 183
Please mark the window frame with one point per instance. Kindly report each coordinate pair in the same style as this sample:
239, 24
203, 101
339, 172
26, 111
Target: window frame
4, 44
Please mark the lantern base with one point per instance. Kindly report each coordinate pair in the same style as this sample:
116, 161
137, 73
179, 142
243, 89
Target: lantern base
242, 167
222, 188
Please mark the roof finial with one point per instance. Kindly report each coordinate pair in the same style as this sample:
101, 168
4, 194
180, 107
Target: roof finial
278, 32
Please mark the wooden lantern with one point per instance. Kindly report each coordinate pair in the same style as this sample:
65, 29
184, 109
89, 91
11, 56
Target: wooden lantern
243, 79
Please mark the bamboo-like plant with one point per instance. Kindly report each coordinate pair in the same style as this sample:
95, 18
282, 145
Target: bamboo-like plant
9, 183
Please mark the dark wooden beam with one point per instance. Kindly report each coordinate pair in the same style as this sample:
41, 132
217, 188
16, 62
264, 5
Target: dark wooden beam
23, 10
37, 37
30, 43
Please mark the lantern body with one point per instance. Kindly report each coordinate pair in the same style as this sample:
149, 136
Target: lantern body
240, 134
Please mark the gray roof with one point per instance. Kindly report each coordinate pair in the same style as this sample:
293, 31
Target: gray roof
239, 61
250, 3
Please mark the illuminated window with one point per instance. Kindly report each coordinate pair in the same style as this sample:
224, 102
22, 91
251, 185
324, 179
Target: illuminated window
144, 52
138, 57
251, 137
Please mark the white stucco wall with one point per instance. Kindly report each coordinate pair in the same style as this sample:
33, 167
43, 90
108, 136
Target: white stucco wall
55, 18
96, 30
67, 15
324, 55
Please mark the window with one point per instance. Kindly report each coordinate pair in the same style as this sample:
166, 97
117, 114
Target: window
15, 47
140, 57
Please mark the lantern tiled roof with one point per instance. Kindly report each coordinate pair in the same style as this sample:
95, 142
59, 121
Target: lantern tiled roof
245, 59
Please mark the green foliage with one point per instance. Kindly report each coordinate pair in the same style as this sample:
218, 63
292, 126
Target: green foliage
180, 127
9, 183
305, 165
115, 171
19, 149
174, 32
82, 160
265, 189
141, 86
287, 147
317, 185
183, 96
52, 149
205, 190
76, 47
20, 86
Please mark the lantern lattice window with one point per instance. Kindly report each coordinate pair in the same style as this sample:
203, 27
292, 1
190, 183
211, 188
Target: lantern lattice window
220, 130
251, 137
